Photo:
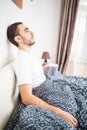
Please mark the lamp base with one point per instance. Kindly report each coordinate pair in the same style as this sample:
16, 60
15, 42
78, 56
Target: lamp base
44, 63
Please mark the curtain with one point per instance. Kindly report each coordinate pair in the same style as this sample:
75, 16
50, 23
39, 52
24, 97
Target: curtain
67, 22
77, 64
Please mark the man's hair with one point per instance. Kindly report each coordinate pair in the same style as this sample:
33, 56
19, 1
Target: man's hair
12, 31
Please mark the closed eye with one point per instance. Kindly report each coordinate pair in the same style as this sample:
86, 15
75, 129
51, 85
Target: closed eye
26, 29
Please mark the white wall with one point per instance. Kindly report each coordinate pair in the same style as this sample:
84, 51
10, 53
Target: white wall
41, 16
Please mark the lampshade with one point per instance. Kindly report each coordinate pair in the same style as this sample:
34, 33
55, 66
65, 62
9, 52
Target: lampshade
45, 55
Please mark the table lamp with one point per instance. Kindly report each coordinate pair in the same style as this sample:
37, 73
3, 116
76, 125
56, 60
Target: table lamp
45, 56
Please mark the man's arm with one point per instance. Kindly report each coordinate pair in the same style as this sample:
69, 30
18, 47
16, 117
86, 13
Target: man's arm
28, 98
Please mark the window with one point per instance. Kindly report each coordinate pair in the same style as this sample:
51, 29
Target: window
79, 45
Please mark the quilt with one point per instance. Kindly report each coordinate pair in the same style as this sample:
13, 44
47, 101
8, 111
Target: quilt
68, 93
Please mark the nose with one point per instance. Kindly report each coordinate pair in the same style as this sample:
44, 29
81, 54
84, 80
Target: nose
32, 33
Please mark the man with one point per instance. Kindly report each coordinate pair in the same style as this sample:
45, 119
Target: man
29, 70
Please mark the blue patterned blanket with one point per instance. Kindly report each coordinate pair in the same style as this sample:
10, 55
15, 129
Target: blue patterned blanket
68, 93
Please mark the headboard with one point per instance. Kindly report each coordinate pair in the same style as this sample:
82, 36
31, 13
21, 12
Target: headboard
8, 93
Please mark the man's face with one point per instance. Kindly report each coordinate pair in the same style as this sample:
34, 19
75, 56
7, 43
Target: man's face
26, 35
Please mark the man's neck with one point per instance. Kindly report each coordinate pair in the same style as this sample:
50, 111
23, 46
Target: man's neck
25, 48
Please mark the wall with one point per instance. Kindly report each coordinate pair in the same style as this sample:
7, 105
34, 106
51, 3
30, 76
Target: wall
41, 16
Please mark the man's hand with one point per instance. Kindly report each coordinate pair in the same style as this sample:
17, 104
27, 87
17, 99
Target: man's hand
68, 117
45, 68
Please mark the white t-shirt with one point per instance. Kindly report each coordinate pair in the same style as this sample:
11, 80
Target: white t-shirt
28, 69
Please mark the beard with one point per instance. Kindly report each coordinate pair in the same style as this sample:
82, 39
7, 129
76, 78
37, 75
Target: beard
31, 43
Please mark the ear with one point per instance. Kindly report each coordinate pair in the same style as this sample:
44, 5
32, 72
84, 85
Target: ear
17, 38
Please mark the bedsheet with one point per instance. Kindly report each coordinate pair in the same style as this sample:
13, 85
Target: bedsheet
68, 93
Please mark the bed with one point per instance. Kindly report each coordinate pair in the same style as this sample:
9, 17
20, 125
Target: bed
32, 117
